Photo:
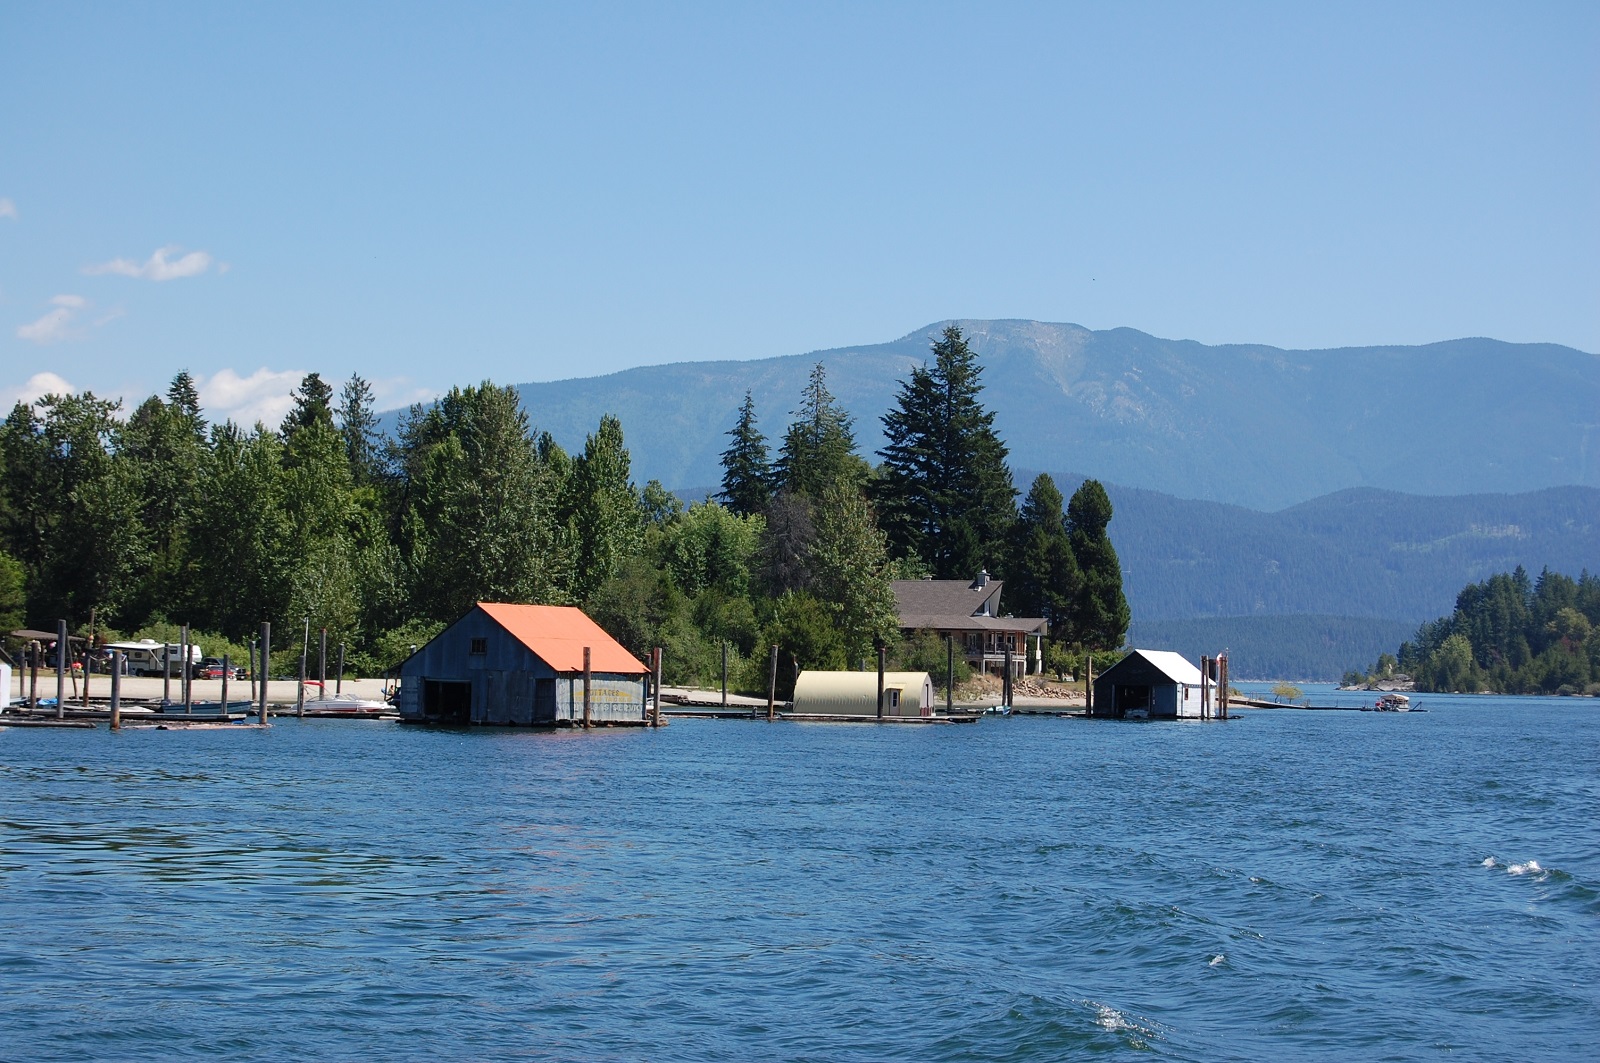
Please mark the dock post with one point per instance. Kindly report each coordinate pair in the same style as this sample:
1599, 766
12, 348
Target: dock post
1205, 687
949, 673
262, 658
300, 692
882, 652
724, 673
36, 650
655, 687
88, 662
166, 672
251, 650
1088, 683
1006, 687
322, 663
338, 682
183, 677
1222, 685
227, 668
772, 683
588, 690
116, 690
61, 669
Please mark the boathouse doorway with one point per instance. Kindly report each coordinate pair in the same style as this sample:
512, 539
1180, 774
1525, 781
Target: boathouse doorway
1130, 697
544, 702
447, 702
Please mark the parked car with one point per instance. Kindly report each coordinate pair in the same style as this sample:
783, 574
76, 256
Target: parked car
211, 668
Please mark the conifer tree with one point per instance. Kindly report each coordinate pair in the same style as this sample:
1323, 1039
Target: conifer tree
850, 570
1101, 617
358, 426
1042, 577
819, 447
605, 524
946, 495
746, 472
313, 404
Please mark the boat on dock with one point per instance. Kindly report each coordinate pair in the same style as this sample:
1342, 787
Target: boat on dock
1396, 703
349, 706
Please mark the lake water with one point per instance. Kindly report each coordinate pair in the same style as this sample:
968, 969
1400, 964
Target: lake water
1290, 885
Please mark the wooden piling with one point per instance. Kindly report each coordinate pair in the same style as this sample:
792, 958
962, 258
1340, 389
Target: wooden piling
588, 690
254, 670
882, 653
300, 693
772, 684
88, 663
166, 672
322, 663
183, 677
1005, 688
226, 669
1205, 687
1088, 684
949, 673
116, 690
338, 682
33, 668
724, 673
655, 686
61, 669
263, 657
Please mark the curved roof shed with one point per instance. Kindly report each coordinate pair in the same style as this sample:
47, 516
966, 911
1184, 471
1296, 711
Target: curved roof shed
856, 694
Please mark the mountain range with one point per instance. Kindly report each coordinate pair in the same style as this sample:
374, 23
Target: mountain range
1306, 508
1249, 425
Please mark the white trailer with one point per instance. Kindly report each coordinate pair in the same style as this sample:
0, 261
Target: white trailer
149, 657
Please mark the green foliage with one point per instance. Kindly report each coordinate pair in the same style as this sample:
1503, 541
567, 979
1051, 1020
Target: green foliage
925, 651
1100, 618
1043, 578
819, 447
711, 546
804, 631
604, 521
1510, 635
358, 429
13, 594
746, 472
1286, 692
850, 573
946, 493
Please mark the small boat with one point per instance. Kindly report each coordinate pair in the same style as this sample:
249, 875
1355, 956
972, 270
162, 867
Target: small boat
1393, 703
347, 705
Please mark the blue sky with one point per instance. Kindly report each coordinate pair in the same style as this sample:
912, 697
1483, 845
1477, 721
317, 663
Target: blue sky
432, 195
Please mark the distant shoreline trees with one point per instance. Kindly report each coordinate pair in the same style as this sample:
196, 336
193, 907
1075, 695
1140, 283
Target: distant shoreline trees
1509, 635
161, 518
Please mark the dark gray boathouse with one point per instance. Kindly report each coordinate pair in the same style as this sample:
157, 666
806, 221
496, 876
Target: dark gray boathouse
523, 665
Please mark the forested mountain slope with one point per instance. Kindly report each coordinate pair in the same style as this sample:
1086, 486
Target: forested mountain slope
1246, 424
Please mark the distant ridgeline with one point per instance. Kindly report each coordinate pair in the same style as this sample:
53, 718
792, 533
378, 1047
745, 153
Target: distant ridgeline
1510, 635
1245, 424
1317, 589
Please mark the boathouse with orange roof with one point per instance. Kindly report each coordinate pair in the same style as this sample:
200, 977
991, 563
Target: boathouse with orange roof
523, 666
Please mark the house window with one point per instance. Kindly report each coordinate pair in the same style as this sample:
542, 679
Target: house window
480, 646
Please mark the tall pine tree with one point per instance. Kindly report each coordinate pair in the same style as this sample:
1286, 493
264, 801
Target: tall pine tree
946, 495
746, 473
1042, 576
1100, 619
819, 447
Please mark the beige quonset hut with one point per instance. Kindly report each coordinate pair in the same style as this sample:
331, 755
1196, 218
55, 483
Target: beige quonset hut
513, 665
856, 694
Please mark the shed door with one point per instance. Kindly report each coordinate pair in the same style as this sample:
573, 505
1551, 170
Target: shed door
544, 701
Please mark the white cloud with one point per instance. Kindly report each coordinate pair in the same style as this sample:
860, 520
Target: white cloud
264, 396
38, 386
57, 325
158, 267
8, 209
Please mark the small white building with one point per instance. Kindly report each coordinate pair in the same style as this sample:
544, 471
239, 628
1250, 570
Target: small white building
856, 694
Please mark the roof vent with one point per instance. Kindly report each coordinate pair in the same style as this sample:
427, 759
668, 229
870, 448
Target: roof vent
982, 581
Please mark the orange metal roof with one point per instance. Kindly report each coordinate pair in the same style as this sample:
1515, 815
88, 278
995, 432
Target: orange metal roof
558, 634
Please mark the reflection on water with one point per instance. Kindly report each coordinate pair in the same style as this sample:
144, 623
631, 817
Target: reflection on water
1289, 885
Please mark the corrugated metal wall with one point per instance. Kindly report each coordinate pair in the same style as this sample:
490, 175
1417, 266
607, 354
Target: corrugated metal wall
506, 677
